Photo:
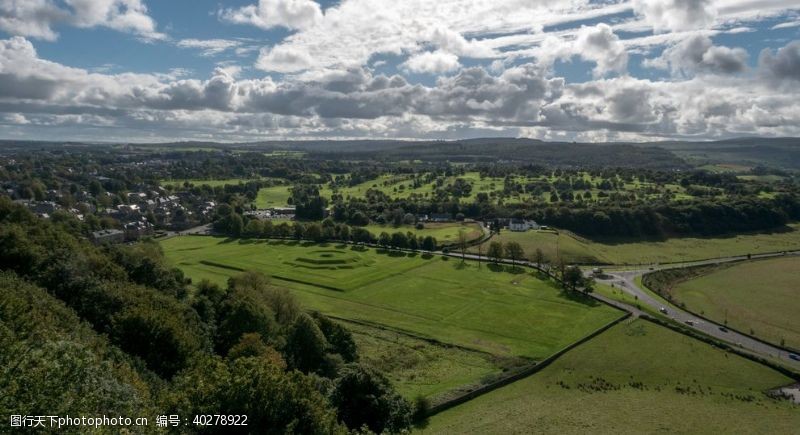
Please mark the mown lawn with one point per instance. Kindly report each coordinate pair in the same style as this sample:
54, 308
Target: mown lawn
507, 314
610, 251
635, 378
762, 296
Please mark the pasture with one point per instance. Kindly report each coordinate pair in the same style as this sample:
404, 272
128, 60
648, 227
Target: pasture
762, 296
487, 309
624, 251
636, 377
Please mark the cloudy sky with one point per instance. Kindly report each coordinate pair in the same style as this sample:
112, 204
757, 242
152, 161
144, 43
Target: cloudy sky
241, 70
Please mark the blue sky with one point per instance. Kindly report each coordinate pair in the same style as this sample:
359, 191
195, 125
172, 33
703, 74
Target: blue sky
146, 70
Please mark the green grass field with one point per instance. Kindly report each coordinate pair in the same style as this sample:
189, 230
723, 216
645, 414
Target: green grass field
444, 232
506, 314
762, 295
580, 250
275, 196
635, 378
418, 367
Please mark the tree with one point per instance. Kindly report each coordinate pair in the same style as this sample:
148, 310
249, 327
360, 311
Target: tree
254, 228
462, 244
385, 240
573, 277
305, 345
314, 232
399, 240
364, 396
275, 401
539, 258
514, 252
429, 244
495, 252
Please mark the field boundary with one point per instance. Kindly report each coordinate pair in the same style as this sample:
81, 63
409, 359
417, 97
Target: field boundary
523, 373
312, 284
220, 265
702, 316
413, 335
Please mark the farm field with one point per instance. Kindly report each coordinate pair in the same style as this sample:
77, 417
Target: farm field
579, 250
506, 314
444, 232
762, 296
636, 377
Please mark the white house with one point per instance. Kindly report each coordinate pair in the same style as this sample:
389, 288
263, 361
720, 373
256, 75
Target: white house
522, 225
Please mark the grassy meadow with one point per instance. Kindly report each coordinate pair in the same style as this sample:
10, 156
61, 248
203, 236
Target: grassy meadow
486, 309
580, 250
762, 296
636, 377
419, 367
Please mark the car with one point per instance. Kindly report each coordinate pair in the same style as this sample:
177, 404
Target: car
690, 322
723, 329
794, 356
663, 310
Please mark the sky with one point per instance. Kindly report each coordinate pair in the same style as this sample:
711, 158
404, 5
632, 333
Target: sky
249, 70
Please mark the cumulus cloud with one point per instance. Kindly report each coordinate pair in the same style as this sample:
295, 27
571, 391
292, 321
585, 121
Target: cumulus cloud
356, 102
600, 45
454, 42
697, 54
37, 18
783, 65
435, 62
292, 14
676, 15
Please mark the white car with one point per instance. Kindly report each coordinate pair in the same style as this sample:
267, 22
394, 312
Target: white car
663, 310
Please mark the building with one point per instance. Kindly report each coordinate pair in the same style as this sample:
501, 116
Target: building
137, 230
440, 217
522, 225
108, 236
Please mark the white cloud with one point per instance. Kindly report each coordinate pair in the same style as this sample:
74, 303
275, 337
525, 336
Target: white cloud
283, 59
37, 18
292, 14
697, 54
209, 47
356, 102
600, 45
676, 15
435, 62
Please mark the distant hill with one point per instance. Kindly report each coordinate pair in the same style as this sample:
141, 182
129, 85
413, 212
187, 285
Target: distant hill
781, 152
774, 152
